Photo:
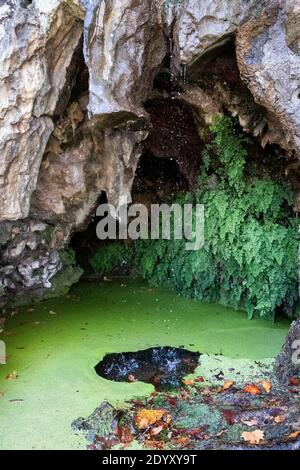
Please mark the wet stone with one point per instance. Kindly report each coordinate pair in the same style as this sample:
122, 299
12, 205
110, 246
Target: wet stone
163, 367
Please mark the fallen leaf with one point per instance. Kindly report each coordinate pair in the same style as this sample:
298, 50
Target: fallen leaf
294, 435
131, 378
188, 382
124, 434
279, 419
253, 437
181, 441
266, 385
294, 381
199, 379
252, 389
12, 375
229, 416
156, 444
251, 422
227, 384
157, 430
145, 418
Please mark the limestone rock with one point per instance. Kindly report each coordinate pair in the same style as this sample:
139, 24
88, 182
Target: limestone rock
36, 42
124, 47
271, 69
287, 364
204, 25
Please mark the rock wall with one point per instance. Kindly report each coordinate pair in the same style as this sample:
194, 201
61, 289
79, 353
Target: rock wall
74, 79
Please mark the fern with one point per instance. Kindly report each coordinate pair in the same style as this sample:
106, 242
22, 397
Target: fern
249, 260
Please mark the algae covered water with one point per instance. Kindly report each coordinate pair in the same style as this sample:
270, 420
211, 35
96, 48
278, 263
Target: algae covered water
53, 346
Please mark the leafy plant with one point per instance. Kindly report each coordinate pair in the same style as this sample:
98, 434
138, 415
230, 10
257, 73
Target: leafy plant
68, 257
112, 256
249, 259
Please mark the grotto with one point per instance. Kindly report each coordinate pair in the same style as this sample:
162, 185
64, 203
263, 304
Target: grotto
186, 102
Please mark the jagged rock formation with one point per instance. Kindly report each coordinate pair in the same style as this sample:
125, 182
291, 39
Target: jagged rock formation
287, 365
65, 139
37, 43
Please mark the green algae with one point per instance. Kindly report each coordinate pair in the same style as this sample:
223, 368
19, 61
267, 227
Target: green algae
54, 353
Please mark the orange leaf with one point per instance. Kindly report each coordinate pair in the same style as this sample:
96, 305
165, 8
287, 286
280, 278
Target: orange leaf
294, 435
266, 386
12, 375
227, 384
145, 418
188, 382
181, 440
252, 389
279, 419
253, 437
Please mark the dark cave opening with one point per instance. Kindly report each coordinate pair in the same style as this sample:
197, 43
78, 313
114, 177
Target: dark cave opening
180, 134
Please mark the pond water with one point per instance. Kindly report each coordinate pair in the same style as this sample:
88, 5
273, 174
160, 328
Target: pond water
53, 347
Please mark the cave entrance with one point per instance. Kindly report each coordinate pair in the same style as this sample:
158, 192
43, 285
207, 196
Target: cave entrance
197, 151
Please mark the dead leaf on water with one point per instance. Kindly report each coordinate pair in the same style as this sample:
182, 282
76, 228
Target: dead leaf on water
227, 384
145, 417
294, 434
12, 375
267, 386
252, 389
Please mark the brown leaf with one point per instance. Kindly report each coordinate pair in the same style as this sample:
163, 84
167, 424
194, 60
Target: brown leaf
181, 441
156, 444
267, 386
294, 435
12, 375
188, 382
124, 434
252, 389
199, 379
145, 418
227, 384
253, 437
229, 416
279, 419
294, 381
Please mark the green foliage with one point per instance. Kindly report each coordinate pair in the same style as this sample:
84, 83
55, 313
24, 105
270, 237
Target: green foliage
67, 256
112, 256
249, 259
